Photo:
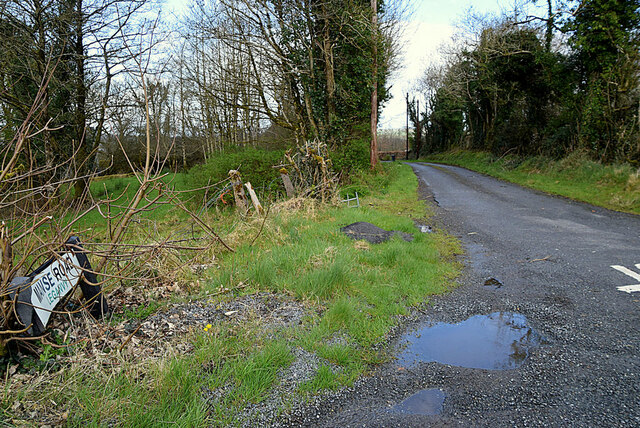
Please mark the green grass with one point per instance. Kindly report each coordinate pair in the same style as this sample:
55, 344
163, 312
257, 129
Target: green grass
258, 372
616, 187
166, 393
356, 293
324, 378
363, 290
123, 189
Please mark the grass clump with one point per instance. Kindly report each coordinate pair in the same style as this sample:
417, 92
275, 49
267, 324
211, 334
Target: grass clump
576, 176
323, 379
256, 374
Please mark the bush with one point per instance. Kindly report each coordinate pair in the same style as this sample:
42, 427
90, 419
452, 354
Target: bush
255, 166
352, 155
367, 181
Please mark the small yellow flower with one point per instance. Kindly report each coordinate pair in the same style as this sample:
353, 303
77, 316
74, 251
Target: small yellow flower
208, 326
206, 329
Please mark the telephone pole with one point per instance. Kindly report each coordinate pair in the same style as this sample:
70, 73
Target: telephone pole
406, 152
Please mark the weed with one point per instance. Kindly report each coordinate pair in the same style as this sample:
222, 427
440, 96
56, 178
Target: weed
143, 311
323, 379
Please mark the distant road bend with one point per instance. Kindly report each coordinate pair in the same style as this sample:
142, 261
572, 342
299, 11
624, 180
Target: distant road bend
570, 268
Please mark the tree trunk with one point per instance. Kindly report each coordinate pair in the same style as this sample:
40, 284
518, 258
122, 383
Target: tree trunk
105, 98
549, 32
327, 51
42, 69
418, 142
374, 92
81, 102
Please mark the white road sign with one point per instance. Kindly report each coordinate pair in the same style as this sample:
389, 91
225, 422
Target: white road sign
53, 283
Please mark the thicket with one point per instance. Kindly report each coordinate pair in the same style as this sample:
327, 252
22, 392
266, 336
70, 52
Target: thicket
521, 88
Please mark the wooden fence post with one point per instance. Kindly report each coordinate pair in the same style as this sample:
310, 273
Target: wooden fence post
238, 191
288, 185
254, 199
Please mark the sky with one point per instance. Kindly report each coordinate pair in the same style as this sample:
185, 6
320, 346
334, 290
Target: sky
430, 25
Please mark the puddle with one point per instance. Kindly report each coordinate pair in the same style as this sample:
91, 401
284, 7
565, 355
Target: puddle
492, 282
499, 341
425, 402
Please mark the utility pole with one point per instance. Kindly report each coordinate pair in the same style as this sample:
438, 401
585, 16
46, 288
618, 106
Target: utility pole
406, 153
418, 130
374, 92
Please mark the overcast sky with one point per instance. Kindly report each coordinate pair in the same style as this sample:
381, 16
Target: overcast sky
431, 25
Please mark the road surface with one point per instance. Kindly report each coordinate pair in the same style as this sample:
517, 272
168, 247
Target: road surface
569, 268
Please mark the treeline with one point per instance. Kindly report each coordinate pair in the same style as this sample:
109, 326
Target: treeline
85, 75
547, 85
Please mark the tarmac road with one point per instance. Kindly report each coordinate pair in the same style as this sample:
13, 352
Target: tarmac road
553, 257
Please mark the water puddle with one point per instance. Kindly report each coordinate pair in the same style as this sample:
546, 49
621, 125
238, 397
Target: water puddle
499, 341
492, 282
425, 402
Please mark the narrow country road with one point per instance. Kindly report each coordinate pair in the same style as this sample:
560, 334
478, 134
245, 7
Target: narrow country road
553, 259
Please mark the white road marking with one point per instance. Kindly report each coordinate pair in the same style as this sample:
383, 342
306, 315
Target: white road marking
635, 275
629, 288
628, 272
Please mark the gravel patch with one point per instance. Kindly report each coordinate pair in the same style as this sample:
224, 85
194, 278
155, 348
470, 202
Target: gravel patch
274, 311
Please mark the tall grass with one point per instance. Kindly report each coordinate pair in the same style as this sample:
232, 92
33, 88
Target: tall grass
578, 177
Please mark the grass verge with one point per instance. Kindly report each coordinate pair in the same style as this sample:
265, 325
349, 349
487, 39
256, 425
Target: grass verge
353, 293
616, 187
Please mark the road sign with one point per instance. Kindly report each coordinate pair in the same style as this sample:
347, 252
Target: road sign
53, 283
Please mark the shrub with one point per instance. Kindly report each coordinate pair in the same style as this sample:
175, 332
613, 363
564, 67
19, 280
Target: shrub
352, 153
255, 166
